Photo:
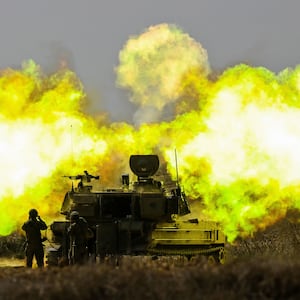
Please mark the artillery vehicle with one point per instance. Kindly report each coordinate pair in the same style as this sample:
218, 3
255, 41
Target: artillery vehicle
140, 218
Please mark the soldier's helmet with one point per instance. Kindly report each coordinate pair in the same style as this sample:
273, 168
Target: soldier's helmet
74, 216
33, 213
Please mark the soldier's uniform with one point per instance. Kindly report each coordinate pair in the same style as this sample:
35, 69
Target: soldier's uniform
78, 235
34, 247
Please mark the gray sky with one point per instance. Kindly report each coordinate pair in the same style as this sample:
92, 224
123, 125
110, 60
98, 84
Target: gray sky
90, 34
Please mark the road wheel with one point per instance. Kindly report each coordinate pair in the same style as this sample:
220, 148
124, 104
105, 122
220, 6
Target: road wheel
222, 256
211, 260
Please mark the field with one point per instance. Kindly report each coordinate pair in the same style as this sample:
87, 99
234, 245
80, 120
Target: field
267, 266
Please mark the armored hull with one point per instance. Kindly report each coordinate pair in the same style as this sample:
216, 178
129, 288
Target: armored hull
142, 218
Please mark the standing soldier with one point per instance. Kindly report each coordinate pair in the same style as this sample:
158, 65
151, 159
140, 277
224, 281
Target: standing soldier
34, 247
78, 234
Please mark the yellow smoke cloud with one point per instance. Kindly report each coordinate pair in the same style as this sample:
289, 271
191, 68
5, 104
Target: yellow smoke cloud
36, 115
152, 66
237, 136
246, 163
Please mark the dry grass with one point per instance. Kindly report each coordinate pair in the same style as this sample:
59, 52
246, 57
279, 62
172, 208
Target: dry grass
12, 245
266, 266
145, 279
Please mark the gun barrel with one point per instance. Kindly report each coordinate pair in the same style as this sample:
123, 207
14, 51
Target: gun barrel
81, 177
71, 177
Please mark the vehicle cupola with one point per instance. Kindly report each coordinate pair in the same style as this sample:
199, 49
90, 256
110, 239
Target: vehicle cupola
144, 166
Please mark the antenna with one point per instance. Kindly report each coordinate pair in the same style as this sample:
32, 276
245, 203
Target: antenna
182, 202
176, 167
72, 153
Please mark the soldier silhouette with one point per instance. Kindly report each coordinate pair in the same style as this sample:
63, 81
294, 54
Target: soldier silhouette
79, 235
34, 247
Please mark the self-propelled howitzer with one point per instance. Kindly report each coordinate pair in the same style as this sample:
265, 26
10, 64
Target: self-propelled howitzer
140, 218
